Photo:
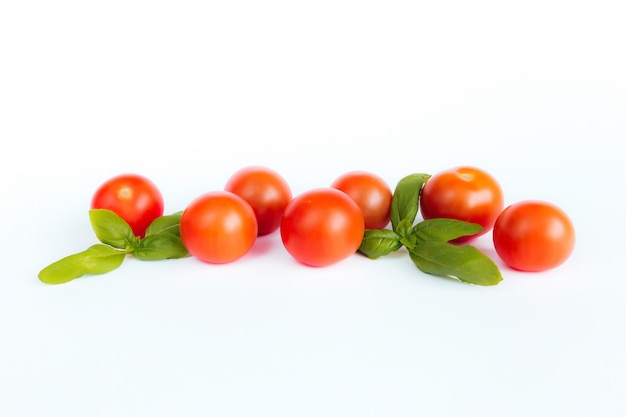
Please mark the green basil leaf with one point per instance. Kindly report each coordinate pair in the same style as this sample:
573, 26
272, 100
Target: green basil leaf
444, 230
98, 259
404, 229
165, 224
112, 230
377, 243
162, 245
465, 263
405, 202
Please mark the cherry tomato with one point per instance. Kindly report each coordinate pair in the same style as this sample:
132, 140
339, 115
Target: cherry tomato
266, 191
463, 193
132, 197
370, 193
218, 227
322, 226
533, 236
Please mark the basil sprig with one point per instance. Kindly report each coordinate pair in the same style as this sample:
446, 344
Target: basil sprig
428, 241
162, 241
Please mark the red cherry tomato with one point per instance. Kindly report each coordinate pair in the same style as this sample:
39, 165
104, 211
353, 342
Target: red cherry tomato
322, 226
132, 197
464, 193
370, 193
266, 191
533, 236
218, 227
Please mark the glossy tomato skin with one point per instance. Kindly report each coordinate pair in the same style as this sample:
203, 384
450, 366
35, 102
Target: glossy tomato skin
463, 193
267, 193
133, 197
371, 193
533, 236
218, 227
322, 226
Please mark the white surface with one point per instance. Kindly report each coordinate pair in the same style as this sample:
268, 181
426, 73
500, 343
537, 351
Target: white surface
188, 92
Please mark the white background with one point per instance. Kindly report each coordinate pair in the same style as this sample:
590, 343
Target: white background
188, 92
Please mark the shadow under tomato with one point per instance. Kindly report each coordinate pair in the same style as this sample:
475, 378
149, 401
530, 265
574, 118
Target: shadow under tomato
262, 245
